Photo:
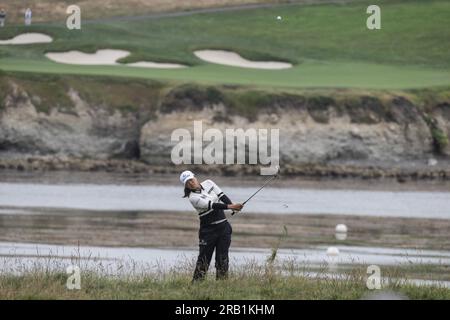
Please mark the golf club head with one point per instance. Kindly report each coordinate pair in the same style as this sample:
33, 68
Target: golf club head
277, 173
270, 171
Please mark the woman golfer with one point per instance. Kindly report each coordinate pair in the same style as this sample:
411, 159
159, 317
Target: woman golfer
215, 231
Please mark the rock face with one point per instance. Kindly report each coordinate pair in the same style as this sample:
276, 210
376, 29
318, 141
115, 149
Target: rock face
326, 128
312, 130
84, 132
302, 139
442, 117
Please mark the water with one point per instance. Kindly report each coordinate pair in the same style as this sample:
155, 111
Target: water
109, 197
312, 256
23, 195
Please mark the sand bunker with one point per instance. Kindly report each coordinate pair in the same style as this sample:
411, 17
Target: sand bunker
28, 38
101, 57
111, 56
104, 57
230, 58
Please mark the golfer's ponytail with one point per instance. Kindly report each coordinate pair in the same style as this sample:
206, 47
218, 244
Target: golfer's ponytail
187, 192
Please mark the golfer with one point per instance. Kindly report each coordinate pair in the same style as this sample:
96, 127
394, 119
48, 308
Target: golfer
215, 231
2, 18
28, 15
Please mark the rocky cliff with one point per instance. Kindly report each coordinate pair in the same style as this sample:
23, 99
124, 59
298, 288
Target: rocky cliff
104, 119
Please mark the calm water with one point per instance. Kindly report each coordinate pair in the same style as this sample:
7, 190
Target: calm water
284, 200
175, 256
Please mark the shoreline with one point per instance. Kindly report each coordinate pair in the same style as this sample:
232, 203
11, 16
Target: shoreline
362, 171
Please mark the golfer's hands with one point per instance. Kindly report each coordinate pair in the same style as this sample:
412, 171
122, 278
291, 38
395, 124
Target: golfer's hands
235, 206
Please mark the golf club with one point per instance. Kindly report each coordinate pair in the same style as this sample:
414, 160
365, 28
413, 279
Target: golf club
262, 187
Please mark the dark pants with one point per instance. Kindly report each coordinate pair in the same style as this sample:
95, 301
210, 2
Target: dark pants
212, 237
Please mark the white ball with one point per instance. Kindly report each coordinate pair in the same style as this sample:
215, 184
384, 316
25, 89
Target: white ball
341, 228
332, 251
279, 18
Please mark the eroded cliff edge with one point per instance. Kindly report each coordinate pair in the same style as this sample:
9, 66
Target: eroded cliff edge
89, 123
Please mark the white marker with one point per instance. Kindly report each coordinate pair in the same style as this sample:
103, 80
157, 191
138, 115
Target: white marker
341, 228
332, 252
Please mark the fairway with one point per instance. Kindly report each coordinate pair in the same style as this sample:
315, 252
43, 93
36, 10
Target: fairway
312, 74
328, 44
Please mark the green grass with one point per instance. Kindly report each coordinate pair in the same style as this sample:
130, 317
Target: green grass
308, 75
329, 44
266, 285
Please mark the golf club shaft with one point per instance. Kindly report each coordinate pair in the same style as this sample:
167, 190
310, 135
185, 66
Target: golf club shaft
265, 184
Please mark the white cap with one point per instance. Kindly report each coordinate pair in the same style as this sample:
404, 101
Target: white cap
185, 176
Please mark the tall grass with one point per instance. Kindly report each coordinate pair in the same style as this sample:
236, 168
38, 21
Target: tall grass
45, 278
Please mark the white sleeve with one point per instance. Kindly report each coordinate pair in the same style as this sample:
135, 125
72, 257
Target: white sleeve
199, 203
216, 189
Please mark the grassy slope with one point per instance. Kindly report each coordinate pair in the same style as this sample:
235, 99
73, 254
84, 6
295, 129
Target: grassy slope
323, 39
120, 92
